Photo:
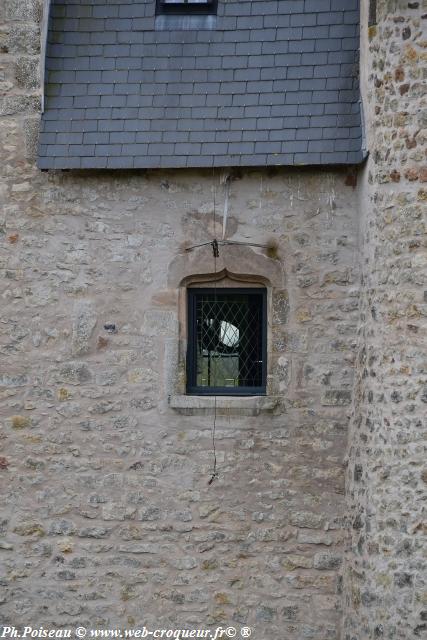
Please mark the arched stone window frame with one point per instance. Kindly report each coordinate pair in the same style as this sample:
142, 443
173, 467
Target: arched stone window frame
237, 266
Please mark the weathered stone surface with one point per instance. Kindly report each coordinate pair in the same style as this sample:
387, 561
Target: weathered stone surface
384, 572
314, 537
336, 397
29, 529
27, 72
280, 307
13, 380
62, 527
160, 322
326, 561
22, 38
74, 373
31, 131
22, 10
291, 562
184, 564
307, 519
6, 546
19, 104
93, 532
106, 500
83, 325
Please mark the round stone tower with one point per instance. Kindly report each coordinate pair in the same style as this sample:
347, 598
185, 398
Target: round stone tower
385, 591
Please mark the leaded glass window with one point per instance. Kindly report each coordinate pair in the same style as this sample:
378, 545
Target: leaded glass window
226, 341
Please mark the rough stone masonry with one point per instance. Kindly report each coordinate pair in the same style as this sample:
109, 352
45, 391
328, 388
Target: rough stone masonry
107, 518
386, 588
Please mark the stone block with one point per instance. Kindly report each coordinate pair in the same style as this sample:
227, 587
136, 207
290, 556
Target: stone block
84, 323
27, 72
160, 323
62, 527
74, 373
315, 537
20, 422
31, 133
13, 380
93, 532
336, 397
307, 519
136, 548
22, 10
14, 105
327, 561
280, 307
292, 561
184, 564
22, 39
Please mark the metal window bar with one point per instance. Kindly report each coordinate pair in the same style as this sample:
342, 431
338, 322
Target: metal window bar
227, 337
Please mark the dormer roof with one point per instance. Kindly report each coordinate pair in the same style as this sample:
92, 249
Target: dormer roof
260, 83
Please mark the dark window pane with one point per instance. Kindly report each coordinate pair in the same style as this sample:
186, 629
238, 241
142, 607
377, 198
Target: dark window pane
372, 15
227, 340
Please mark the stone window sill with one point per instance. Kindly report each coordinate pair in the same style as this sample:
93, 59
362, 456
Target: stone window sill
226, 405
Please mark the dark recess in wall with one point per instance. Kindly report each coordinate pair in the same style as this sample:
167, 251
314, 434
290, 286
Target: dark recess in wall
372, 18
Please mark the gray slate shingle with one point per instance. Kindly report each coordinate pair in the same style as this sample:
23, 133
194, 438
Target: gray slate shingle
266, 82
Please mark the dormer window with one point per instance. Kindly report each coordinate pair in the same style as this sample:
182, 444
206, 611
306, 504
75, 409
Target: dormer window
186, 7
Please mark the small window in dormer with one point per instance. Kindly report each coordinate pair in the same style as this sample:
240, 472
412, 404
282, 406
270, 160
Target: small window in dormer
186, 7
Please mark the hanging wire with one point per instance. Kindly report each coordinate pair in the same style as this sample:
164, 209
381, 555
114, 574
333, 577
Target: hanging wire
215, 252
222, 243
226, 197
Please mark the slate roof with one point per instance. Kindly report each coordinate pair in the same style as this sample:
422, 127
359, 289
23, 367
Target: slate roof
265, 82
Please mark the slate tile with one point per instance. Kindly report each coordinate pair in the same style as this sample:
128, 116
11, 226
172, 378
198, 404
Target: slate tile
307, 158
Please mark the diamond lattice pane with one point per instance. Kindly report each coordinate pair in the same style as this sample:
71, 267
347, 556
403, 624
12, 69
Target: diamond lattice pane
229, 339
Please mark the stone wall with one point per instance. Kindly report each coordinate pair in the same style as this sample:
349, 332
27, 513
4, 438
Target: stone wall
386, 590
107, 516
